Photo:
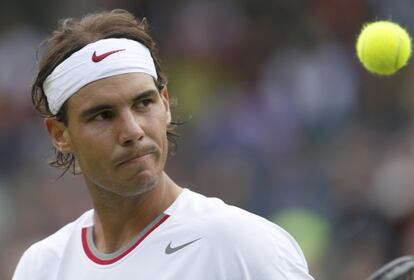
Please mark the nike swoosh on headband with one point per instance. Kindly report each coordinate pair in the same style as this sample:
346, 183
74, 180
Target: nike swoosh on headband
97, 58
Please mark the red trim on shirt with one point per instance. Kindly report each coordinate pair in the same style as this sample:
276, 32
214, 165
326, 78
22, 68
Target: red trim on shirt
97, 260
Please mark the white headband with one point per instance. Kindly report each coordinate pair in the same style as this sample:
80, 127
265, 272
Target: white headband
98, 60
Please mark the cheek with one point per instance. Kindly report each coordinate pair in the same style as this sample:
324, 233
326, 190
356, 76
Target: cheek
163, 133
157, 126
90, 149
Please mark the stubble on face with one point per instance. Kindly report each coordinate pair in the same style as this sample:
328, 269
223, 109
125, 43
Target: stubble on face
123, 148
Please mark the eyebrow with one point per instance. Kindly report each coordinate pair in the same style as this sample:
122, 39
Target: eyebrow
95, 109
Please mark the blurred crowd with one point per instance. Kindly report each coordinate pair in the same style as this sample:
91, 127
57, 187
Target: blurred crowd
279, 118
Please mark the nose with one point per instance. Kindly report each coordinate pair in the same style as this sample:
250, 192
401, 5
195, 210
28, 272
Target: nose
129, 129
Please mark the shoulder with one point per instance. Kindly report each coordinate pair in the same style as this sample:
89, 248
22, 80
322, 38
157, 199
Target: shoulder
55, 243
261, 247
39, 259
248, 231
268, 247
258, 245
227, 221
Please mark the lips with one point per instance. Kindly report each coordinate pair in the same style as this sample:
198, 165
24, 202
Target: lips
127, 158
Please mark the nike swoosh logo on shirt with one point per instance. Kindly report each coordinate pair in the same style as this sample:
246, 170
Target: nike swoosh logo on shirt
97, 58
170, 250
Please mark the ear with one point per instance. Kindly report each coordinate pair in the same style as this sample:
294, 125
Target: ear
59, 134
165, 100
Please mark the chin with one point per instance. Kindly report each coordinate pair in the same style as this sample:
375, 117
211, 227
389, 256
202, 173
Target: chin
138, 187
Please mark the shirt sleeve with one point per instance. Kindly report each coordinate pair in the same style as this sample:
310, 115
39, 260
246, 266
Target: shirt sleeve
281, 258
24, 269
37, 263
40, 261
287, 263
265, 251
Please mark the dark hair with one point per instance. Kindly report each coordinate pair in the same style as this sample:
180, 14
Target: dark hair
73, 34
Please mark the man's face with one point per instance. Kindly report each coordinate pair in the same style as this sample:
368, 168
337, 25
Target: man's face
117, 131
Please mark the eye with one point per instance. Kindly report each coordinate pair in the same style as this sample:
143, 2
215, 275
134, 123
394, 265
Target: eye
144, 103
101, 116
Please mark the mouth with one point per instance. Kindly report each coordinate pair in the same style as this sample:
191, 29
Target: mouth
137, 158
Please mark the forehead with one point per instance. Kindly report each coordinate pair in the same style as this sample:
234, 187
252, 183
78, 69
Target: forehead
112, 89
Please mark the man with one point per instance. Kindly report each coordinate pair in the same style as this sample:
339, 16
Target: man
103, 95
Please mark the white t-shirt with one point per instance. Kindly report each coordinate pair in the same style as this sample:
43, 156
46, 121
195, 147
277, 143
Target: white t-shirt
196, 238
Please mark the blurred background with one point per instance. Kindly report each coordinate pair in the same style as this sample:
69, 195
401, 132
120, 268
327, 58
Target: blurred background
281, 120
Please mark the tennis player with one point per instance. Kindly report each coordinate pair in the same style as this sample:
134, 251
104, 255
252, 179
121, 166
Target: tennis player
106, 107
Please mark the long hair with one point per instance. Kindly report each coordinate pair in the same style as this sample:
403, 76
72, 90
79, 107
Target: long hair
71, 35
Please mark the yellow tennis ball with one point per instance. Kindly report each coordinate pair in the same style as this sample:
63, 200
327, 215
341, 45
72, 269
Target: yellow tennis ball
383, 47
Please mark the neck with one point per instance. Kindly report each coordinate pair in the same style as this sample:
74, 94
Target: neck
118, 219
